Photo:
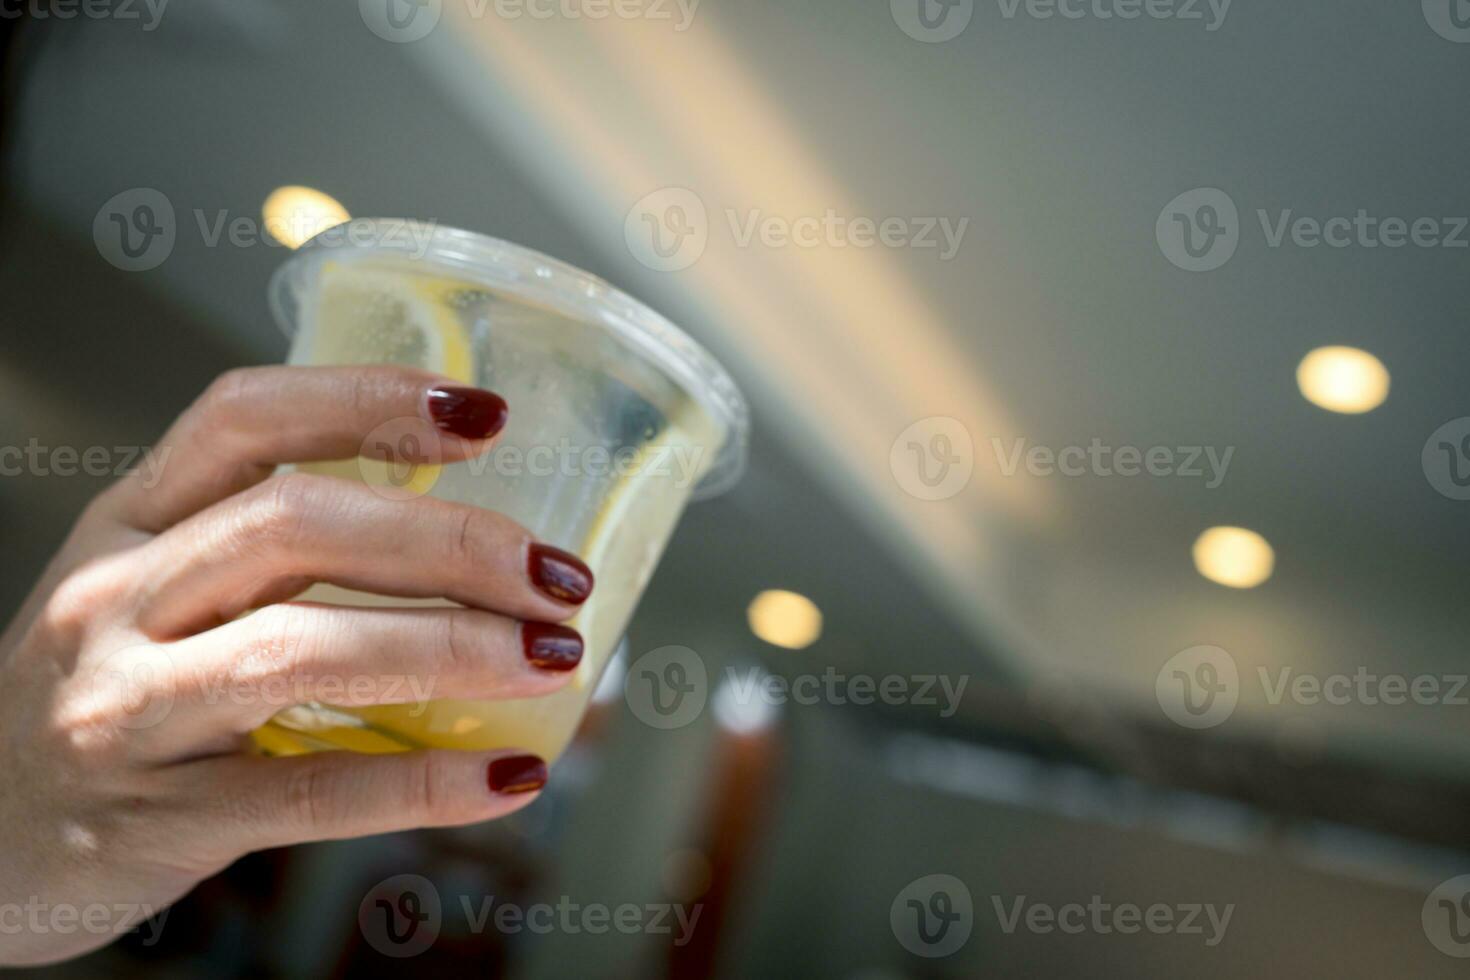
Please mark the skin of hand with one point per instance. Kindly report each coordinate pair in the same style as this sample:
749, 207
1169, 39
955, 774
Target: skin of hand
128, 779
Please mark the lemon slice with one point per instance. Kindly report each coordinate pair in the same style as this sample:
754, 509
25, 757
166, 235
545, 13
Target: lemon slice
616, 511
637, 505
375, 314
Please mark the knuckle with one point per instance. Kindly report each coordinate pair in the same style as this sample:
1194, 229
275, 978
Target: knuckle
463, 643
101, 510
467, 534
228, 392
364, 391
482, 538
79, 597
427, 790
282, 510
308, 793
278, 640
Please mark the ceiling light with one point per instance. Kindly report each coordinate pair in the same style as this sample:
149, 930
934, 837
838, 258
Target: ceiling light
785, 619
294, 215
1234, 556
1343, 379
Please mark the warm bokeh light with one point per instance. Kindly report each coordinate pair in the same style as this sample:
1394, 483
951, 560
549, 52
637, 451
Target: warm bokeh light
1234, 556
294, 215
785, 619
1343, 379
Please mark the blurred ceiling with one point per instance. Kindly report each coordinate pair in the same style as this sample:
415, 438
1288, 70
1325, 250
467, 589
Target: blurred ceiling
1058, 320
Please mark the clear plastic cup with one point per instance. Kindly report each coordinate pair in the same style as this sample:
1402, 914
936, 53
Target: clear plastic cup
617, 420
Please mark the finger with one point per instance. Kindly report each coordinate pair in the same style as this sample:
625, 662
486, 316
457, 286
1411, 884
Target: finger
232, 679
258, 802
271, 542
251, 420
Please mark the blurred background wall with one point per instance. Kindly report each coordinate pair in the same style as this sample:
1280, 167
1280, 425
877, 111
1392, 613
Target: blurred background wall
1061, 315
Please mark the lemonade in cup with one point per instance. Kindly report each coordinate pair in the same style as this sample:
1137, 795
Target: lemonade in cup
617, 420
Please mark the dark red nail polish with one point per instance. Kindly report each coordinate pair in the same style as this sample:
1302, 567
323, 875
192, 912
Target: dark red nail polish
470, 413
560, 574
517, 774
551, 647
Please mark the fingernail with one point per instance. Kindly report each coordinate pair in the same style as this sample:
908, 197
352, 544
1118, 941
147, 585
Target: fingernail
517, 774
470, 413
551, 647
559, 574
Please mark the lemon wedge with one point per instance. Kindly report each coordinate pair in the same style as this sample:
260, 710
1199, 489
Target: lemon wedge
375, 314
638, 505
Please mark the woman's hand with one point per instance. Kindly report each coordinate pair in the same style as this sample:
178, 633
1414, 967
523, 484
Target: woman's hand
126, 779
